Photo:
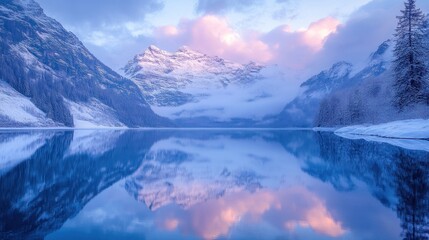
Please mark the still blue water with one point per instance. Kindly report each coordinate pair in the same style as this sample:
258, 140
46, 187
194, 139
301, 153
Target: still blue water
209, 185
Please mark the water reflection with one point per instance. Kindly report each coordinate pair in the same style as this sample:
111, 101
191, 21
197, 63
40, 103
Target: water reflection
60, 177
209, 185
412, 189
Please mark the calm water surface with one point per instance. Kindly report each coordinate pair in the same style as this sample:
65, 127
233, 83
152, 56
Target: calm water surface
209, 185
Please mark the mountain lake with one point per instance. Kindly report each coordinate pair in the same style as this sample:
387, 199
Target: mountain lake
209, 184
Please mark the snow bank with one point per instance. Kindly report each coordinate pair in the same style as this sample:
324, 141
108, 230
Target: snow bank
409, 134
405, 129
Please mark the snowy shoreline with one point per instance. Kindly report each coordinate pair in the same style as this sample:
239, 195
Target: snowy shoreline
413, 129
411, 134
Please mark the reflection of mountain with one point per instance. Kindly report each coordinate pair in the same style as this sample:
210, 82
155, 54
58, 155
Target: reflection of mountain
22, 145
187, 171
56, 182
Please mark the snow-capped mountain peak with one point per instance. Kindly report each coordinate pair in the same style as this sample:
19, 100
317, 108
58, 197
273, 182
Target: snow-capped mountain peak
183, 62
153, 50
382, 51
329, 79
187, 84
157, 72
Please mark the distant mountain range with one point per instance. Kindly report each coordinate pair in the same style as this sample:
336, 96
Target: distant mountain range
199, 90
49, 78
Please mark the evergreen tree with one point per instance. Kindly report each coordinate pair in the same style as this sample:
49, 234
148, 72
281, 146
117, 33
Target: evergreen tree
426, 42
410, 53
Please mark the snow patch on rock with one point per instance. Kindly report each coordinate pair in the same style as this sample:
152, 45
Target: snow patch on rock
93, 114
17, 108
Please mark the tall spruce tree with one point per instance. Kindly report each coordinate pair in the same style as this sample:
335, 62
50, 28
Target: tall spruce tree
410, 53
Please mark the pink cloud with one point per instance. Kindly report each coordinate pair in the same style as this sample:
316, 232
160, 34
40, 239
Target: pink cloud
168, 31
213, 35
297, 49
318, 32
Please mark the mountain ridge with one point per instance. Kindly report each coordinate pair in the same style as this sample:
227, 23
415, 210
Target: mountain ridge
50, 66
302, 111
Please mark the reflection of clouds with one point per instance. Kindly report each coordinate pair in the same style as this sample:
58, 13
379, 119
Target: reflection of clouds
215, 218
287, 209
302, 208
97, 215
170, 224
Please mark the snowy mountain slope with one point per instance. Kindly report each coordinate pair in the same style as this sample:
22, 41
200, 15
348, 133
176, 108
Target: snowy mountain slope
49, 65
18, 110
191, 85
302, 110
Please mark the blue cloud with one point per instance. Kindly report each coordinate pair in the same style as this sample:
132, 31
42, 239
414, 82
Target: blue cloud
222, 6
102, 25
99, 12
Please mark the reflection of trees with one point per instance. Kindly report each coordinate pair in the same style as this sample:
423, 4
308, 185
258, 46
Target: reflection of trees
387, 170
342, 161
412, 188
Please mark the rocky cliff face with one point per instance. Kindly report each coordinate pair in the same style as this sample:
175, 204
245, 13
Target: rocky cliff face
51, 67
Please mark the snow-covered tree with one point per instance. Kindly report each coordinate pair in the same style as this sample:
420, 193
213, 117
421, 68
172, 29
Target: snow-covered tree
356, 108
426, 38
410, 67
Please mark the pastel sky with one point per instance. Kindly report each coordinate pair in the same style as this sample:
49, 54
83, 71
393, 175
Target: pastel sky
299, 35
